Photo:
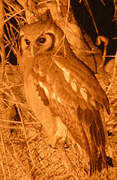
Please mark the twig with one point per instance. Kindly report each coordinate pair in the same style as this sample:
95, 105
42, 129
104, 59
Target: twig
91, 14
23, 126
115, 13
67, 162
114, 75
103, 2
13, 15
2, 166
105, 40
1, 37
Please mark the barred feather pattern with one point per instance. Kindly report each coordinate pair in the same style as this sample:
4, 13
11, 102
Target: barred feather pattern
67, 87
81, 117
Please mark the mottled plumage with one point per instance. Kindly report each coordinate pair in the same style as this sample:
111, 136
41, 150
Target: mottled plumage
67, 86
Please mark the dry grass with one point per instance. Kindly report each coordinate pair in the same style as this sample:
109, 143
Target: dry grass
24, 150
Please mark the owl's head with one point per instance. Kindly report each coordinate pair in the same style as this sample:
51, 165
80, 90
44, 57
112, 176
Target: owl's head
40, 38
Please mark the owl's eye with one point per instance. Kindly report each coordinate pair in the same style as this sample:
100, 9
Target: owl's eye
41, 40
27, 42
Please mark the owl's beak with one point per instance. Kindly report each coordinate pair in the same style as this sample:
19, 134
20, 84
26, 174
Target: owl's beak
34, 50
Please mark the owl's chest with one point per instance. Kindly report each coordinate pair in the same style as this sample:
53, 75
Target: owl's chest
42, 65
46, 68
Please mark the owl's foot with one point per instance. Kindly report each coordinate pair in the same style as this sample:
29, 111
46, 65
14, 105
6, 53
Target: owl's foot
60, 135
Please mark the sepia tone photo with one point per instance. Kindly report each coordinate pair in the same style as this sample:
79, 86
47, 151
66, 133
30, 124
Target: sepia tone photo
58, 89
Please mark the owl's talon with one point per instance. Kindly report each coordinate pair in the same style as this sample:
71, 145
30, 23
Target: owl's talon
57, 140
66, 146
52, 142
60, 135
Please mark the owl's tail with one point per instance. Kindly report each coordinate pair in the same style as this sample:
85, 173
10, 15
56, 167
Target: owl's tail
94, 134
98, 164
98, 141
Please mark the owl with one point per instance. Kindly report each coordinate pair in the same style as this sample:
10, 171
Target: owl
56, 81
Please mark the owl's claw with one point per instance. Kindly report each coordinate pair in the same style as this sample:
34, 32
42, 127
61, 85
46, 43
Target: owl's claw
60, 134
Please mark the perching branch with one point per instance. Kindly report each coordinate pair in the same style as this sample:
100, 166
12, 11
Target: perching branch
1, 37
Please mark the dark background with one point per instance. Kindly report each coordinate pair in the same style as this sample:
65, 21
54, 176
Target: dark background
103, 16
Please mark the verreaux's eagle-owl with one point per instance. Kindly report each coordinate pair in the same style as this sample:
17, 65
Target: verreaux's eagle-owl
65, 86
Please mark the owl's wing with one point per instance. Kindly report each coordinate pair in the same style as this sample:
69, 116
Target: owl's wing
85, 80
79, 106
85, 124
